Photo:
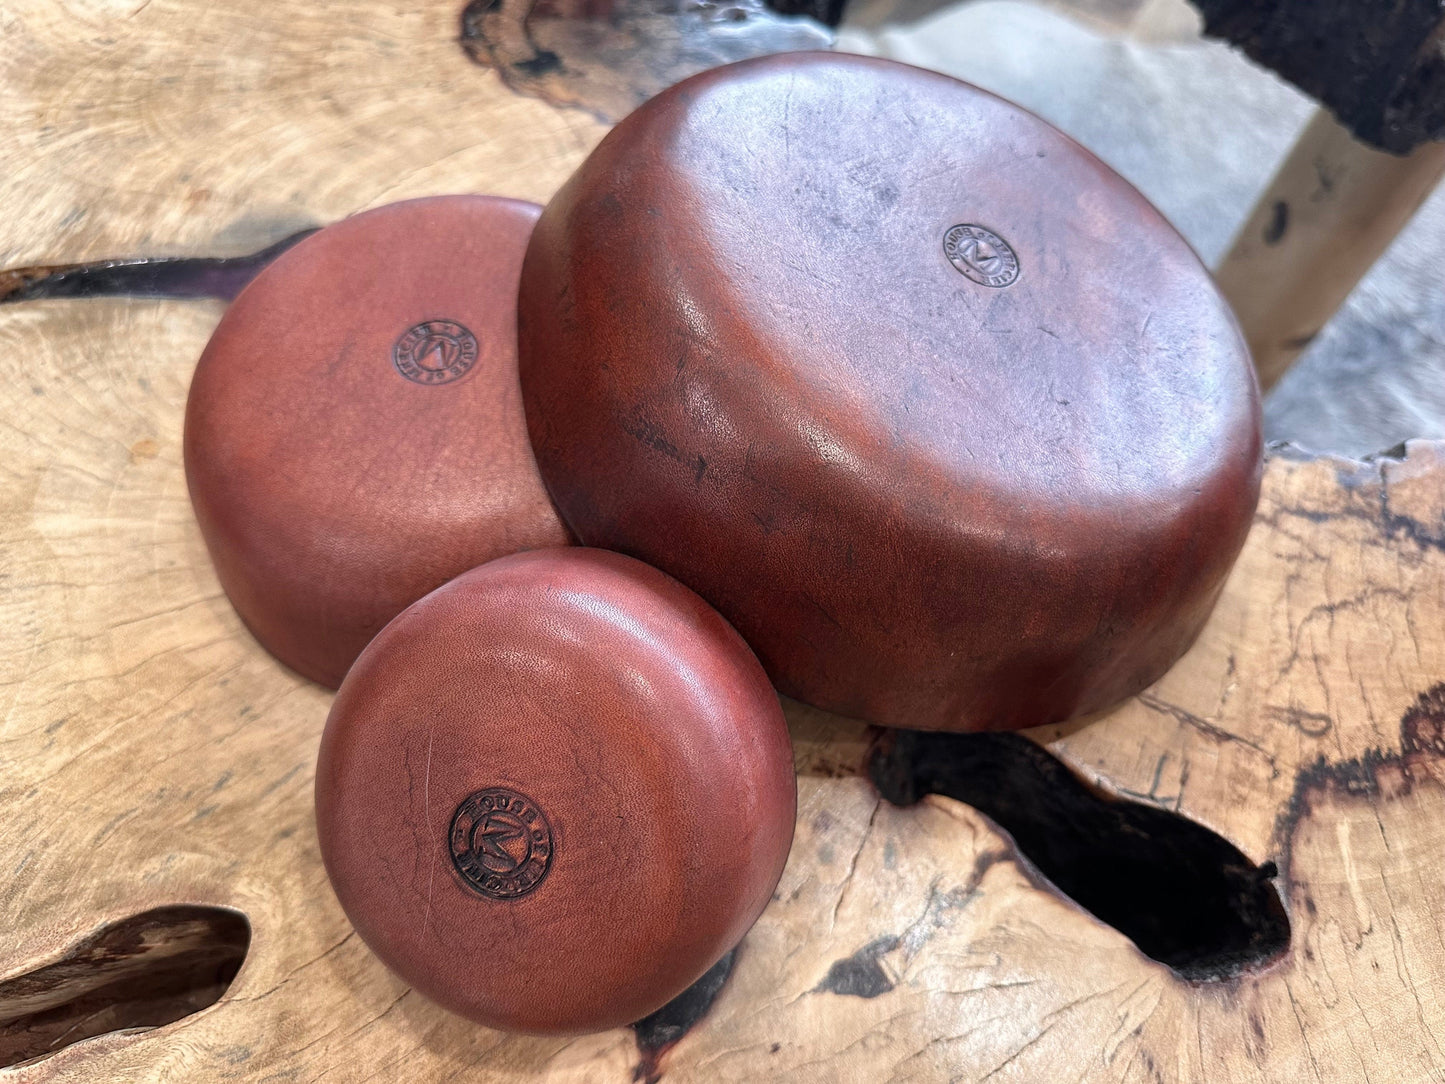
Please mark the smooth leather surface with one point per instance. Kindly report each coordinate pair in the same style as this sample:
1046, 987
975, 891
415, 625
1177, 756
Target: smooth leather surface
626, 710
924, 500
332, 489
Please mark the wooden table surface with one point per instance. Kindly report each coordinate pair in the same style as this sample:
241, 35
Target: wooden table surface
151, 754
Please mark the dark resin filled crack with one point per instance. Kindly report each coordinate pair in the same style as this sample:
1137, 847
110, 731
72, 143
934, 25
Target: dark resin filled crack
180, 277
1184, 895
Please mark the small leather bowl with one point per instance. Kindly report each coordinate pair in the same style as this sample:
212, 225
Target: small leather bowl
354, 434
935, 408
555, 791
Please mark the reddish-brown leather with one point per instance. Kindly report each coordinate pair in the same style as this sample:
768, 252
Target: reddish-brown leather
333, 490
619, 704
923, 499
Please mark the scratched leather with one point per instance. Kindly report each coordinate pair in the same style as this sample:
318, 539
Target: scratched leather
332, 490
923, 500
625, 709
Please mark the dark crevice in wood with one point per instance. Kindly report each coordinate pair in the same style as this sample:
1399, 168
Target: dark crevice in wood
1278, 224
180, 277
144, 971
1183, 894
660, 1032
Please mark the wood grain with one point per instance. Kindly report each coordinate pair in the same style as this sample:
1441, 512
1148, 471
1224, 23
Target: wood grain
151, 754
1331, 210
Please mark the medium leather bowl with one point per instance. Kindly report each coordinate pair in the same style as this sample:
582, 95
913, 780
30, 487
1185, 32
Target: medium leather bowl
936, 409
555, 791
354, 434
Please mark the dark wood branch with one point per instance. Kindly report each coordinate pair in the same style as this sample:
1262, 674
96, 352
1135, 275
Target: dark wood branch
1377, 67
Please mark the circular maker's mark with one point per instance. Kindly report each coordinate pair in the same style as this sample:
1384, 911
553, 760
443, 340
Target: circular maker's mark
435, 352
501, 843
981, 254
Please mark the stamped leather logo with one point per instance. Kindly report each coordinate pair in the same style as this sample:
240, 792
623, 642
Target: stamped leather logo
501, 843
435, 352
981, 254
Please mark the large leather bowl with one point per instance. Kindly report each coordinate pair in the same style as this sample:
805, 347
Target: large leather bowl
354, 434
555, 791
936, 409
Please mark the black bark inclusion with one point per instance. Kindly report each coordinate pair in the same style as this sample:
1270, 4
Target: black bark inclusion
861, 975
658, 1032
180, 277
1184, 895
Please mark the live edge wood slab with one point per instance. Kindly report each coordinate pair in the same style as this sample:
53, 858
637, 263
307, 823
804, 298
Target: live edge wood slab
153, 756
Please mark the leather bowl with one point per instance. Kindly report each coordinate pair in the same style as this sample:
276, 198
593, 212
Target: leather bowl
555, 791
935, 408
354, 433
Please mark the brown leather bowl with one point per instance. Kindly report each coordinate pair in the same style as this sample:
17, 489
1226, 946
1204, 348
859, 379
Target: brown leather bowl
555, 791
354, 435
936, 409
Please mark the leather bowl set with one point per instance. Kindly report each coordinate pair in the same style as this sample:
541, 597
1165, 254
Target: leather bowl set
876, 369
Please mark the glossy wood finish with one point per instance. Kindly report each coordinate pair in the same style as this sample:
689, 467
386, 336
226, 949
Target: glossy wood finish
648, 750
332, 488
928, 495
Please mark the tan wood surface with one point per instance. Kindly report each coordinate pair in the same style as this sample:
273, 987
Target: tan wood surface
1327, 215
151, 754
